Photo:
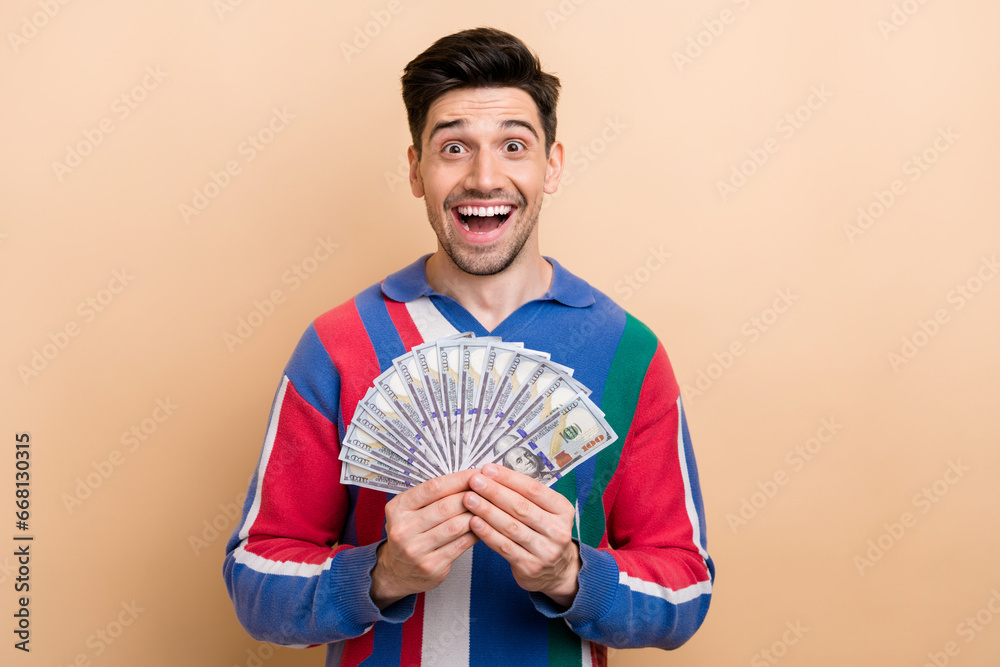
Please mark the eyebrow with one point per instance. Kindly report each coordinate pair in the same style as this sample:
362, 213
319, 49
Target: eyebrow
460, 123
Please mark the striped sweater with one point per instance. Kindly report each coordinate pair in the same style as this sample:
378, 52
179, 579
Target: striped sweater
298, 564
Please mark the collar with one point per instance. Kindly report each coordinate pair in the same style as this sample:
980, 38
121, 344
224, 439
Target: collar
411, 283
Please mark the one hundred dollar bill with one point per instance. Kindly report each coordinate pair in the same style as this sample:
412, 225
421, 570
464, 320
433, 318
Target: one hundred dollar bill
352, 474
396, 420
540, 402
568, 437
368, 446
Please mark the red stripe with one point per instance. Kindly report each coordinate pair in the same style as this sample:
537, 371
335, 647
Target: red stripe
301, 495
413, 635
598, 655
343, 334
405, 325
369, 516
357, 650
653, 519
279, 549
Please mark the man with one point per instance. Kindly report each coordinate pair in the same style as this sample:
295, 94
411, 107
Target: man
484, 566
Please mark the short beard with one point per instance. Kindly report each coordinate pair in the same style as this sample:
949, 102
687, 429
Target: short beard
483, 262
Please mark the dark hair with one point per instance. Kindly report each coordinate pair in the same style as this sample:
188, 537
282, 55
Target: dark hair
477, 58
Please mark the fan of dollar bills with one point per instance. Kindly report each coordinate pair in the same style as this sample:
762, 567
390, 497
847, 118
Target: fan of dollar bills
462, 402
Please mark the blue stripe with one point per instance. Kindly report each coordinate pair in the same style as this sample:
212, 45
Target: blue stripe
502, 613
458, 316
588, 347
693, 476
381, 331
349, 534
315, 378
387, 644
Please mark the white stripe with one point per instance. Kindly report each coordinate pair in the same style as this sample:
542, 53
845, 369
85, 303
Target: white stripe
283, 567
585, 660
446, 617
430, 322
673, 597
272, 431
576, 504
688, 496
334, 652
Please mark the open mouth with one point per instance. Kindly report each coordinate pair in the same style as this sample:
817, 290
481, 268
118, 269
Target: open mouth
483, 219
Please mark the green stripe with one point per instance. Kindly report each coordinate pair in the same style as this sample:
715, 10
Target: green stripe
621, 396
565, 648
567, 487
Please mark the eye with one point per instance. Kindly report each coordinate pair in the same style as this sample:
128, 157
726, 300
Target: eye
454, 149
513, 147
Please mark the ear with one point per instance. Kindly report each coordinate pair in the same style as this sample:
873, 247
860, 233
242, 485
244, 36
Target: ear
416, 183
553, 171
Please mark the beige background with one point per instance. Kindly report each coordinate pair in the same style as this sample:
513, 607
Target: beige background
660, 133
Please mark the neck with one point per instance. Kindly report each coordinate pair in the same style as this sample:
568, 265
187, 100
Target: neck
491, 299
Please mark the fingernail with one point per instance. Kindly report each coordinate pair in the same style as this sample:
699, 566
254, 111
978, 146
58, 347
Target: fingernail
472, 500
477, 483
490, 469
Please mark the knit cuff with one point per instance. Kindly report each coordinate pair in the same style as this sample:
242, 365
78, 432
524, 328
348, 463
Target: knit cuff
598, 580
354, 587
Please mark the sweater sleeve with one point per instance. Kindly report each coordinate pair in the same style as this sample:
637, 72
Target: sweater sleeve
649, 582
293, 578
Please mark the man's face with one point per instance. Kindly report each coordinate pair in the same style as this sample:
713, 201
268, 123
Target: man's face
482, 175
518, 460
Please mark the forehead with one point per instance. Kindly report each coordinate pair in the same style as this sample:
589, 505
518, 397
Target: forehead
483, 107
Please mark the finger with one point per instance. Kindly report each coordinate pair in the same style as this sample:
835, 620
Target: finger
444, 533
539, 494
518, 506
409, 528
500, 521
434, 489
458, 546
510, 550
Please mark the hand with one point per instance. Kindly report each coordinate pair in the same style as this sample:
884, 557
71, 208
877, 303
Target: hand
531, 526
427, 528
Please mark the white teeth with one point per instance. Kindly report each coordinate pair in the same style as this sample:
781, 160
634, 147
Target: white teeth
484, 211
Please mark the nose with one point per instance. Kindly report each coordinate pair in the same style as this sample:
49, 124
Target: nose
484, 172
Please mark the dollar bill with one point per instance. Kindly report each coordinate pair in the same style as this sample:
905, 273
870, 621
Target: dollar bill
461, 402
449, 371
538, 403
568, 437
417, 389
429, 363
472, 355
367, 446
352, 474
361, 460
513, 377
374, 427
392, 415
497, 359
